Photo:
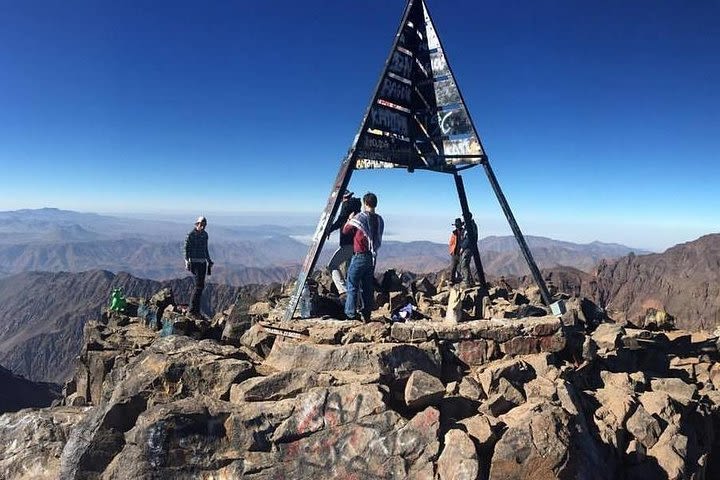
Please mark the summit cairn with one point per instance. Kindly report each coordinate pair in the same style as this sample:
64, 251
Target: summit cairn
507, 396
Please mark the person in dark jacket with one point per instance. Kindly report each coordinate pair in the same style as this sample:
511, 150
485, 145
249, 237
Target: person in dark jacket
467, 247
197, 261
454, 249
350, 205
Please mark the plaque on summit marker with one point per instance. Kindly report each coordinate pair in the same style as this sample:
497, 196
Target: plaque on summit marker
417, 118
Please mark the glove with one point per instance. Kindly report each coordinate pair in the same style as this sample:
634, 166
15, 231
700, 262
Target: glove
187, 265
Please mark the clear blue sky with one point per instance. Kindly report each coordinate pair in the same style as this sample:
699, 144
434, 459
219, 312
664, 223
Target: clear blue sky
601, 119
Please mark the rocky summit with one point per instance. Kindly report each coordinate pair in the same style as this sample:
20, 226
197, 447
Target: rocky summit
444, 383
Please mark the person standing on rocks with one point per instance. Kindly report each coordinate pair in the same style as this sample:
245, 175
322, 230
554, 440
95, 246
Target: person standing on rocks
467, 247
350, 205
197, 261
454, 250
366, 229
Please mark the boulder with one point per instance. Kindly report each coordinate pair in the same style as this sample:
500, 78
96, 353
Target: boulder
678, 390
616, 405
644, 427
540, 388
33, 440
455, 313
670, 451
458, 459
188, 437
608, 336
394, 361
161, 300
441, 297
381, 445
423, 390
542, 442
658, 403
506, 398
524, 345
277, 386
321, 408
542, 364
619, 381
591, 314
391, 282
171, 368
496, 293
410, 332
589, 349
256, 338
516, 371
367, 333
480, 430
239, 319
518, 298
472, 302
476, 352
329, 332
657, 320
702, 372
715, 374
424, 285
470, 388
261, 309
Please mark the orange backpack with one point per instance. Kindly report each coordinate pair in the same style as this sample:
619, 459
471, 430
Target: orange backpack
452, 244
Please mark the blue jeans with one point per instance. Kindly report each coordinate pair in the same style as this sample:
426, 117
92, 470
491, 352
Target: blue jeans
360, 276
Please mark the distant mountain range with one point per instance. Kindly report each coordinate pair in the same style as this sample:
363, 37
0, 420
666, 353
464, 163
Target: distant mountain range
42, 314
684, 281
59, 240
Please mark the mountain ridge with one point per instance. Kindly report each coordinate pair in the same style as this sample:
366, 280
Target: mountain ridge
42, 314
59, 240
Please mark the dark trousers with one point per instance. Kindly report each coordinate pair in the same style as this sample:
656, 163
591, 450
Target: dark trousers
467, 256
454, 263
198, 269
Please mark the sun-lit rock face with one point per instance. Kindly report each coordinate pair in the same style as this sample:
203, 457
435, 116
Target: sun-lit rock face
157, 394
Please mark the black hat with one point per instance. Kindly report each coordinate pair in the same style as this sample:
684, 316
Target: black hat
347, 193
458, 222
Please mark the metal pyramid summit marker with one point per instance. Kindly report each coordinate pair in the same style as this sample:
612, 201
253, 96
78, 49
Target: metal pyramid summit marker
417, 119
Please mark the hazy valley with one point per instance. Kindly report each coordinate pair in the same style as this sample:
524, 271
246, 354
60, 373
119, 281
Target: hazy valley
57, 240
